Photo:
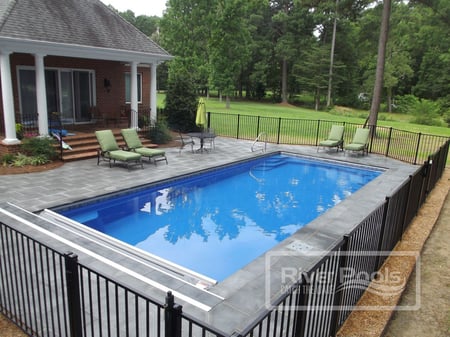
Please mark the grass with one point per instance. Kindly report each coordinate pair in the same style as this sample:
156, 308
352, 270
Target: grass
340, 114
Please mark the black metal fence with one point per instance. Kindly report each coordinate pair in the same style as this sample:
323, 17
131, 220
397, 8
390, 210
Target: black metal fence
403, 145
47, 292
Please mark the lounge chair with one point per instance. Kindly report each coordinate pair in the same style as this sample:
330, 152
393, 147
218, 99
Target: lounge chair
134, 144
110, 151
360, 141
335, 138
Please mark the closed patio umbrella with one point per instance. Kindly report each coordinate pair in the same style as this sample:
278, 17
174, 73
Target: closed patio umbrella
200, 118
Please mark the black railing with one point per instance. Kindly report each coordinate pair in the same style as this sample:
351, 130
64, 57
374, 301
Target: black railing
48, 292
398, 144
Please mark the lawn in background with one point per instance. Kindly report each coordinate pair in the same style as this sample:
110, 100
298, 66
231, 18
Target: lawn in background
340, 114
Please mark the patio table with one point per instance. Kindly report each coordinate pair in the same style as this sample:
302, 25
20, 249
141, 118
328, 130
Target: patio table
202, 136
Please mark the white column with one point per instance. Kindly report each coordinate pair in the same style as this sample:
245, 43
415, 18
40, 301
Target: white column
41, 97
134, 96
153, 110
8, 100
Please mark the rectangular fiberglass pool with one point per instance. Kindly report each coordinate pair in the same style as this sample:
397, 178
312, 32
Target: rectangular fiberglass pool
216, 222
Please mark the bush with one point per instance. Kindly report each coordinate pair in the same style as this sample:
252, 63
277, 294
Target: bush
40, 147
405, 104
181, 101
7, 159
159, 133
426, 112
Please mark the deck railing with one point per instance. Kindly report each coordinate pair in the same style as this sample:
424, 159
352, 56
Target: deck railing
47, 292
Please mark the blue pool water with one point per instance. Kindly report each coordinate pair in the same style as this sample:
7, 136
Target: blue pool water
217, 222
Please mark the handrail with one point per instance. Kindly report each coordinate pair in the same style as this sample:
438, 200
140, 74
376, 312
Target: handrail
256, 146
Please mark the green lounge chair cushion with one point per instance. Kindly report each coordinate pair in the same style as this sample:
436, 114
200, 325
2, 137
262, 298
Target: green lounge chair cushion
131, 138
134, 143
329, 143
360, 140
146, 152
122, 155
334, 137
106, 140
355, 147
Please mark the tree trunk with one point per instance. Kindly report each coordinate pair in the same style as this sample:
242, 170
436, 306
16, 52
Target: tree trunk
379, 76
389, 99
333, 43
317, 99
284, 81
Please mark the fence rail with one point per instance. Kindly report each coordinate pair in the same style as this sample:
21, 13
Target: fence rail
48, 292
398, 144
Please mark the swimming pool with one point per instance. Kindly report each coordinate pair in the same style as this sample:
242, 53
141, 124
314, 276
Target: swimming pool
216, 222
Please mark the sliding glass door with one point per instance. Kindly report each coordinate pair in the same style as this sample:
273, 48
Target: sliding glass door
69, 92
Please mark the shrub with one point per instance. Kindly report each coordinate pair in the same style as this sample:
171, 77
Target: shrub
181, 101
36, 147
426, 112
404, 104
159, 133
7, 159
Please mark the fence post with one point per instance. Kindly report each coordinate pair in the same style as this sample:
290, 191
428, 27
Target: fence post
279, 130
317, 132
383, 226
237, 129
417, 148
172, 317
303, 294
257, 126
389, 142
73, 294
338, 295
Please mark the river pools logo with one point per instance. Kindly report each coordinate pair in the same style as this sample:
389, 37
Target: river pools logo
317, 280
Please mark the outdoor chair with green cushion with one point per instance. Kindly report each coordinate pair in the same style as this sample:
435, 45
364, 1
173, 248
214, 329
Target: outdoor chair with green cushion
134, 144
360, 141
335, 138
109, 150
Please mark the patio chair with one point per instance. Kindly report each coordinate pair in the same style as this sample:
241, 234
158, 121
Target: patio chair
109, 150
335, 138
186, 141
211, 138
360, 141
133, 143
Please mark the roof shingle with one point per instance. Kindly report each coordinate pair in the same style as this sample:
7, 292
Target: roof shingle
76, 22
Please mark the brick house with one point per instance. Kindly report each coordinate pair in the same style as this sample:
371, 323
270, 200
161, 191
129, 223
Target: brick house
75, 57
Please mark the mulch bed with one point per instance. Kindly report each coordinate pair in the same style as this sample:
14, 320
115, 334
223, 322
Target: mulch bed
5, 169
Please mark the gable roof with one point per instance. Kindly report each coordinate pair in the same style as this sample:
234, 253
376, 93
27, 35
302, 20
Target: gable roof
56, 25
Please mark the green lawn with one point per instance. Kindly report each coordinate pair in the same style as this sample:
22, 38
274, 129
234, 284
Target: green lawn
395, 120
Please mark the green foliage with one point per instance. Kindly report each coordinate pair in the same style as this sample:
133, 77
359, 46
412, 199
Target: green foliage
39, 147
181, 100
426, 112
7, 159
406, 103
19, 131
160, 133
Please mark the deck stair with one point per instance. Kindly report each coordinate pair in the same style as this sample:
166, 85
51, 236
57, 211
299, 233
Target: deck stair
85, 145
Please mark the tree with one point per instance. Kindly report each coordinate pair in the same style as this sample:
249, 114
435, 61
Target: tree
229, 46
181, 98
186, 32
378, 86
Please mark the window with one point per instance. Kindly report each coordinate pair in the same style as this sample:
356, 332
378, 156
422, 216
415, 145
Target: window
128, 88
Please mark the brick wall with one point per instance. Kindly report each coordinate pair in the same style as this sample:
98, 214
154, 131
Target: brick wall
109, 102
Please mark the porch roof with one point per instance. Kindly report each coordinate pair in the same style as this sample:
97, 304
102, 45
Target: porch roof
74, 28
